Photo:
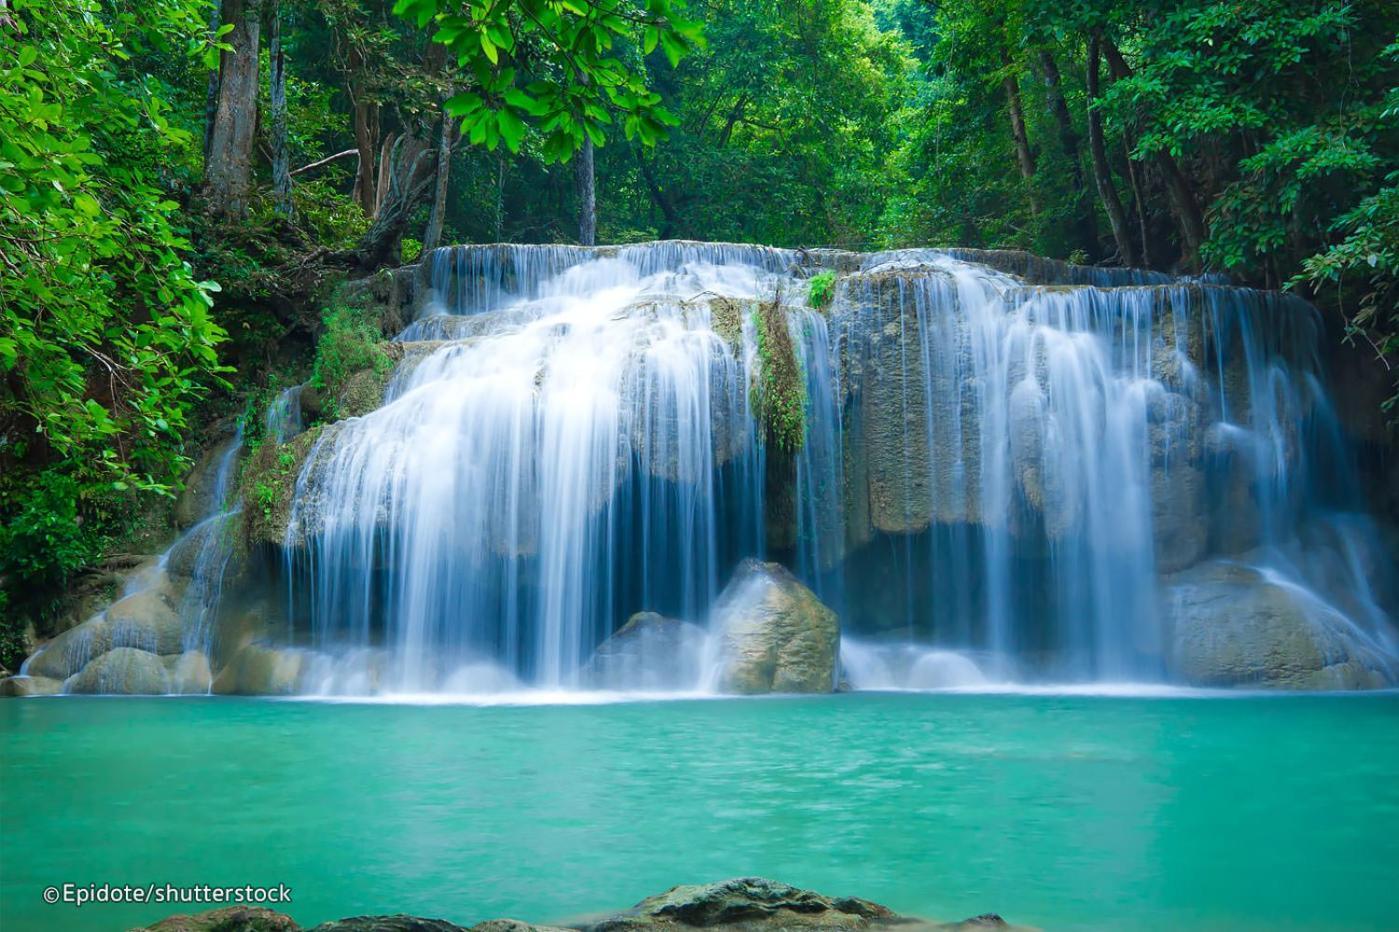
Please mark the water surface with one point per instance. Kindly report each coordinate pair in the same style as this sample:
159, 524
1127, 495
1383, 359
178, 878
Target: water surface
1062, 811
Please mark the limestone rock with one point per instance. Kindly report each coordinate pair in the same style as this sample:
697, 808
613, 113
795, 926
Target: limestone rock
146, 620
202, 486
1229, 625
775, 635
398, 923
122, 671
228, 919
19, 686
648, 652
188, 673
747, 903
68, 653
261, 671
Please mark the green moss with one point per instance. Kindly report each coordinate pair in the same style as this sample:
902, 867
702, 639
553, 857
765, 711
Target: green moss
779, 390
822, 289
351, 343
268, 483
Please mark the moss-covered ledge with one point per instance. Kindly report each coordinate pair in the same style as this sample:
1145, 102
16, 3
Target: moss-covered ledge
268, 484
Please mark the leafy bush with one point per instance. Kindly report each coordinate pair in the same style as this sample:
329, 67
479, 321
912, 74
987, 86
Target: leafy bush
349, 344
822, 289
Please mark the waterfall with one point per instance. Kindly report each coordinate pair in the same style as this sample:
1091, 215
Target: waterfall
213, 538
1003, 457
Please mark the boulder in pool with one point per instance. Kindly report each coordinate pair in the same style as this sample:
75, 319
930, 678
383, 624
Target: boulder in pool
775, 636
124, 671
649, 652
1230, 624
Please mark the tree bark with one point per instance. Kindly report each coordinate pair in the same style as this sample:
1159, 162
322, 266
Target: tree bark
228, 171
585, 184
1087, 223
1022, 141
409, 176
381, 182
1182, 197
1102, 172
211, 94
366, 124
277, 100
432, 238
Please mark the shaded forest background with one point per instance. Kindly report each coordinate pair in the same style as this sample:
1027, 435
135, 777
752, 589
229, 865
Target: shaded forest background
182, 182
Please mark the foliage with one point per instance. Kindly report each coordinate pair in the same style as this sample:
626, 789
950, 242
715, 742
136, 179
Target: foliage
349, 343
822, 288
558, 65
107, 340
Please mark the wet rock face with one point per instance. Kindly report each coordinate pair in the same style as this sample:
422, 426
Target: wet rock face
1230, 625
123, 671
649, 652
775, 636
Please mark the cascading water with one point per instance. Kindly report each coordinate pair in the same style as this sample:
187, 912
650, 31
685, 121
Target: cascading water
1008, 464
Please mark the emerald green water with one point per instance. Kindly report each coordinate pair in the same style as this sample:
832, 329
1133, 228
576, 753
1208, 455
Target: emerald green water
1059, 811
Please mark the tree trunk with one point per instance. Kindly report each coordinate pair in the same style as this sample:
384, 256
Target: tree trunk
1087, 223
585, 183
228, 171
277, 104
669, 213
366, 124
1022, 141
381, 182
1102, 172
432, 238
1187, 210
410, 173
211, 95
1134, 173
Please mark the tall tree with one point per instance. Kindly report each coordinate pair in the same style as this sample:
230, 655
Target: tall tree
585, 184
228, 170
1102, 171
277, 98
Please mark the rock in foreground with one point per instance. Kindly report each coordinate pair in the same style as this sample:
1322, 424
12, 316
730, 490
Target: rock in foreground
775, 636
746, 904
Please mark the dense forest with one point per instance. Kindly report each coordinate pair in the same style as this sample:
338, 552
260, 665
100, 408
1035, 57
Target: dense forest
182, 182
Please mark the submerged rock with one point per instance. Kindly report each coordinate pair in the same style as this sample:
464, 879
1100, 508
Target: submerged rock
774, 634
648, 652
748, 903
396, 923
745, 904
228, 919
122, 671
1229, 624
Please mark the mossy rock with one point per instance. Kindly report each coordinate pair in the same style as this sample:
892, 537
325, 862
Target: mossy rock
22, 686
779, 388
726, 319
268, 485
